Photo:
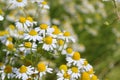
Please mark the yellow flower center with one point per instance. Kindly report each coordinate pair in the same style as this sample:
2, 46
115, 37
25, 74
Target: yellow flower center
28, 44
85, 76
12, 27
76, 56
41, 67
22, 19
66, 75
20, 32
2, 33
1, 11
94, 77
44, 2
19, 0
8, 69
56, 30
69, 50
66, 34
90, 71
33, 33
44, 26
23, 69
30, 19
10, 47
48, 40
75, 69
85, 63
63, 67
60, 42
10, 39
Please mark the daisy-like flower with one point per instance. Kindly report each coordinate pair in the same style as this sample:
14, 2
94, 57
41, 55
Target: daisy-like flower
43, 4
27, 47
63, 75
67, 37
49, 43
56, 32
6, 71
32, 36
61, 44
74, 72
23, 72
86, 66
75, 59
3, 36
85, 76
17, 3
42, 69
44, 29
25, 24
9, 48
68, 51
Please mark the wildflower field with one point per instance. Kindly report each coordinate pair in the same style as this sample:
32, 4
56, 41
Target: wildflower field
59, 39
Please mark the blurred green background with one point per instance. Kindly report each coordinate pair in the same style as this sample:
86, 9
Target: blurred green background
95, 24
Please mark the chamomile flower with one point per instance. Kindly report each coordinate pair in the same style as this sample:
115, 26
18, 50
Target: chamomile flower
61, 44
67, 37
44, 29
68, 51
32, 36
56, 32
75, 59
25, 24
18, 3
24, 72
74, 72
94, 77
87, 66
42, 69
85, 76
3, 35
63, 75
6, 71
49, 43
27, 47
43, 4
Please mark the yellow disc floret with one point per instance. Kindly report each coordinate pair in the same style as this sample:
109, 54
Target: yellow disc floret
28, 44
66, 34
41, 67
85, 76
10, 47
94, 77
19, 0
30, 19
60, 42
69, 50
44, 2
48, 40
8, 69
10, 39
23, 69
85, 63
90, 71
22, 19
44, 26
66, 75
56, 30
74, 69
12, 27
76, 56
63, 67
33, 33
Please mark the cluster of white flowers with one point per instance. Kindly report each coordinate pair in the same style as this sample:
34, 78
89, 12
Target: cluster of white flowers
26, 37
